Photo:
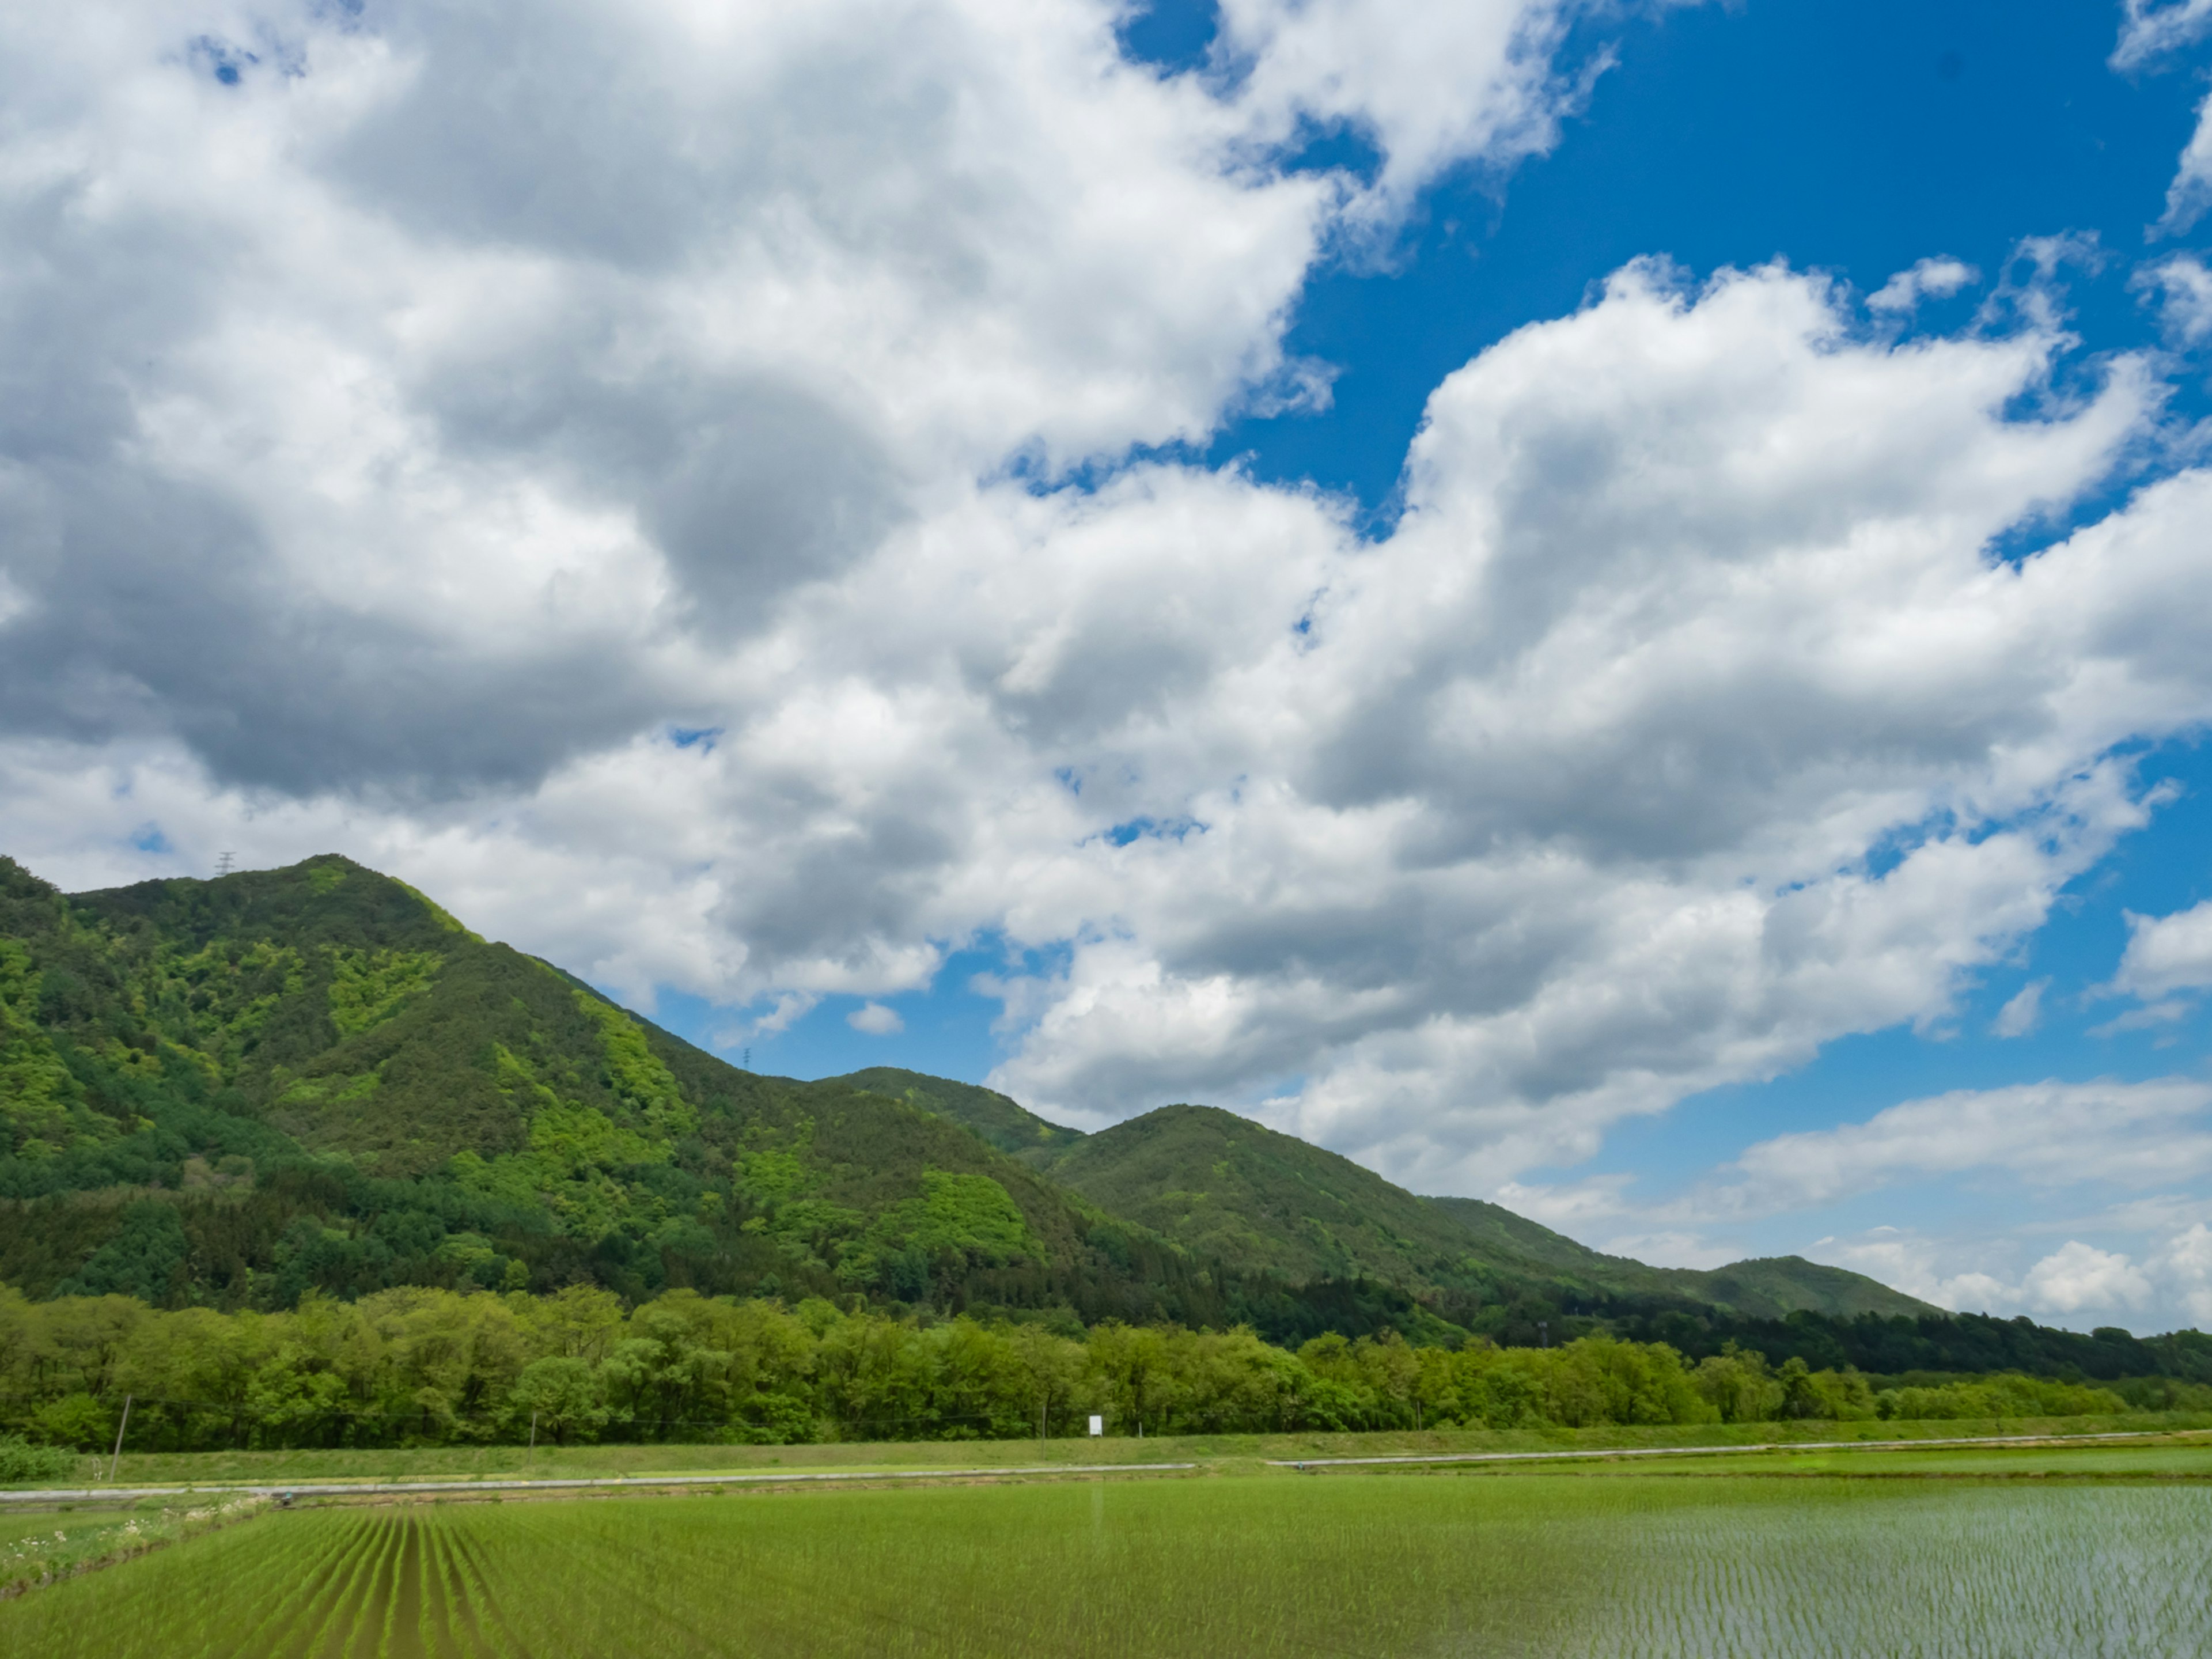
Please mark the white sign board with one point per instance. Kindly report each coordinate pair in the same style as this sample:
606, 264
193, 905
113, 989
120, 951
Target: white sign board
1097, 1426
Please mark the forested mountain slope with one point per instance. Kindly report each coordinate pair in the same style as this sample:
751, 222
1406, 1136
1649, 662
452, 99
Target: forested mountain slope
1005, 1123
1767, 1287
1230, 1189
231, 1090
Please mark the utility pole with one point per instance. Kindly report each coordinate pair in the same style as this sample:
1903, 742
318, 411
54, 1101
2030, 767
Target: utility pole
116, 1462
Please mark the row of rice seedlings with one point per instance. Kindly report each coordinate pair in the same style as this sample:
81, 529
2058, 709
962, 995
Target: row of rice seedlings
502, 1618
1242, 1566
293, 1582
334, 1615
207, 1596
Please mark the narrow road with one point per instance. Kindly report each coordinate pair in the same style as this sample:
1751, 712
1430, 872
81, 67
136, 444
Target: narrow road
370, 1488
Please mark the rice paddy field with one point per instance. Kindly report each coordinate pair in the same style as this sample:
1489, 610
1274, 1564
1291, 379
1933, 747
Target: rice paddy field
2074, 1552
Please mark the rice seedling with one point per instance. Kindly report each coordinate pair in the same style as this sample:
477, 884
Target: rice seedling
1462, 1566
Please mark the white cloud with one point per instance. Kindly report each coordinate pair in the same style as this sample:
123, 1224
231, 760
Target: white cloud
2187, 1262
2181, 289
716, 377
1937, 279
2022, 1012
2167, 953
875, 1020
2047, 1134
2151, 29
2149, 33
2149, 1017
2079, 1284
2077, 1275
1429, 85
2190, 192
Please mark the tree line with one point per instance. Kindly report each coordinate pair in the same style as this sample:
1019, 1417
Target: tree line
427, 1366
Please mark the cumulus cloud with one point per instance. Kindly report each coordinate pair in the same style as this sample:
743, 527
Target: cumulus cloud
2167, 953
875, 1020
2077, 1275
620, 479
2079, 1284
2187, 1262
1429, 85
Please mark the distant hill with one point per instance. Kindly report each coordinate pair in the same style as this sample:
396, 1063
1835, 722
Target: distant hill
1229, 1189
1233, 1190
1004, 1123
1769, 1288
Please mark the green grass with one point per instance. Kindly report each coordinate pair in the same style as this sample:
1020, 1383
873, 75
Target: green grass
39, 1547
1095, 1569
448, 1462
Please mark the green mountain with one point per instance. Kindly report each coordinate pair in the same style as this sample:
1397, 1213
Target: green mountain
1006, 1124
1770, 1287
233, 1091
1229, 1189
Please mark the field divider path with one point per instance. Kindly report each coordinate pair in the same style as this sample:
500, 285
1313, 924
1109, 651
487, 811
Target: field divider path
1607, 1453
608, 1482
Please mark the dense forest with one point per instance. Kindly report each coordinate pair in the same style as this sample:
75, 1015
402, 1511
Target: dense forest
419, 1366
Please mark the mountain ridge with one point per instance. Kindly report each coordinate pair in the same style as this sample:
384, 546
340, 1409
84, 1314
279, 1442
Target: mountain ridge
234, 1090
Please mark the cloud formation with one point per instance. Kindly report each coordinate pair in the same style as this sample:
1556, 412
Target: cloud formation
667, 484
2052, 1134
2167, 953
2153, 29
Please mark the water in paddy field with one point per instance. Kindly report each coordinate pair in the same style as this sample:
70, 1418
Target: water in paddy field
1978, 1572
1716, 1566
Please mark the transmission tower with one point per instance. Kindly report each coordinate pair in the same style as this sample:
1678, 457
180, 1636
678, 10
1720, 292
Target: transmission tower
226, 864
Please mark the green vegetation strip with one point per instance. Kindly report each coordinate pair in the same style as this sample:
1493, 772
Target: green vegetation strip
1610, 1452
371, 1488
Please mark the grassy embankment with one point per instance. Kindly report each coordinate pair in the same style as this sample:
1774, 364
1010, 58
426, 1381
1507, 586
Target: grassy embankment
502, 1462
1541, 1563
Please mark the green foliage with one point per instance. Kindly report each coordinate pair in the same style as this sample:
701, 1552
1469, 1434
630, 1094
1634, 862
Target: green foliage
640, 1081
143, 1257
1237, 1192
40, 1102
415, 1366
370, 986
985, 1113
2007, 1393
21, 1462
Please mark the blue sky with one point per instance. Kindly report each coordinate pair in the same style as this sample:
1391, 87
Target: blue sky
1595, 602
